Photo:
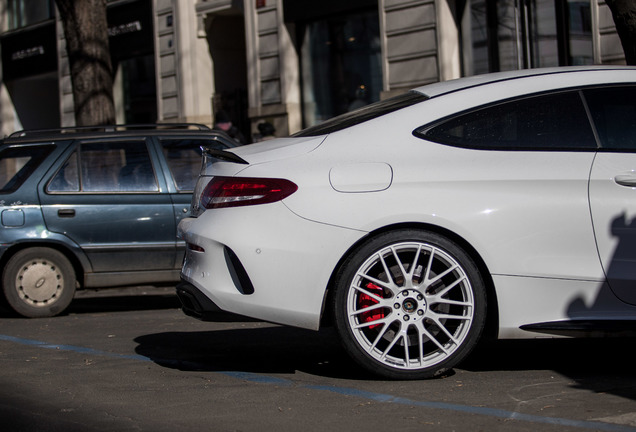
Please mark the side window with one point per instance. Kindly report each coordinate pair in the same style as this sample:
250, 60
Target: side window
614, 113
107, 167
548, 122
184, 159
67, 178
18, 163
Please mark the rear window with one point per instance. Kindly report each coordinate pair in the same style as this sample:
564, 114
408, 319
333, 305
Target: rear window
363, 114
18, 163
184, 159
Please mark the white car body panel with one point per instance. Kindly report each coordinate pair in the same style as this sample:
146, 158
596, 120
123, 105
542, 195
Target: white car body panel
275, 256
614, 209
282, 148
556, 77
522, 302
486, 208
361, 177
533, 217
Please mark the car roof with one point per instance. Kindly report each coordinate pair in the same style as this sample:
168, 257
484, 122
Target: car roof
114, 131
445, 87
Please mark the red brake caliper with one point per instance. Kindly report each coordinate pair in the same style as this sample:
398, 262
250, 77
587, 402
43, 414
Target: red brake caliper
365, 301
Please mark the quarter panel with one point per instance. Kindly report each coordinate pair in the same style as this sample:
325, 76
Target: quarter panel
526, 213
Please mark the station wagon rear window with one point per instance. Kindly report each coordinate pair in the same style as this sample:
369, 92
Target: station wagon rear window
184, 159
18, 163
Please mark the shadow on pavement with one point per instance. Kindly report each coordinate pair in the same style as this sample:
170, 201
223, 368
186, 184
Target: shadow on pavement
268, 350
601, 365
123, 304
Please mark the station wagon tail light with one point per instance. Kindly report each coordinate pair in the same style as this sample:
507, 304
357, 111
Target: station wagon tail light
243, 191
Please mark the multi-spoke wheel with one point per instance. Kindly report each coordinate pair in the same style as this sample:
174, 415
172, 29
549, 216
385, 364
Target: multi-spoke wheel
38, 282
409, 304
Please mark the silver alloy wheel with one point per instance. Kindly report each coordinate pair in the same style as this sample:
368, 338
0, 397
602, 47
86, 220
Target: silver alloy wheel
39, 283
410, 305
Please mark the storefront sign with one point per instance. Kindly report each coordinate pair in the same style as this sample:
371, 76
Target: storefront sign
130, 29
29, 52
123, 29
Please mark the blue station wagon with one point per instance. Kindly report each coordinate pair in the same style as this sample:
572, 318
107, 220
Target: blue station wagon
93, 208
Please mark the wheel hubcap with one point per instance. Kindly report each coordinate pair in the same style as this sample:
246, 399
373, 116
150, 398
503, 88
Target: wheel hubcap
39, 283
410, 305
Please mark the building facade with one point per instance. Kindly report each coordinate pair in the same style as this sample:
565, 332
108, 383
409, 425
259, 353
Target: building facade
292, 63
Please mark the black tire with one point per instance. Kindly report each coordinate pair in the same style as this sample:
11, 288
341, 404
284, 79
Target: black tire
422, 320
38, 282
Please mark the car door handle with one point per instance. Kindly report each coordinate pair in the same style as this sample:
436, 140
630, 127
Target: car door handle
66, 213
628, 180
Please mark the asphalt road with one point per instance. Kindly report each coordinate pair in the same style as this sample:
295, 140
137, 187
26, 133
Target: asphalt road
129, 360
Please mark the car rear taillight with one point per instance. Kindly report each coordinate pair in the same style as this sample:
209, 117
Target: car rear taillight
244, 191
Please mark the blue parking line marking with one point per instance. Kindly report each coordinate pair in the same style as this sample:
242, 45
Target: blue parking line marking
258, 378
73, 348
345, 391
490, 412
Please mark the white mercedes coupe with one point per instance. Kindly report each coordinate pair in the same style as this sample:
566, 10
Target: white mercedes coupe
500, 205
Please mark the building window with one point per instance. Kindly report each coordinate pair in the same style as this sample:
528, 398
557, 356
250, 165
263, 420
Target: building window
517, 34
135, 90
578, 33
340, 59
24, 13
131, 42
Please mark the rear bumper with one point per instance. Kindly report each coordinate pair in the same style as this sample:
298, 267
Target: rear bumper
196, 304
262, 262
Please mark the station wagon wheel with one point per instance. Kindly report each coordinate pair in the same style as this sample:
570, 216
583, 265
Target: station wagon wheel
38, 282
409, 304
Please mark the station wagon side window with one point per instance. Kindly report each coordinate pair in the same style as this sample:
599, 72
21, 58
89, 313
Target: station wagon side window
613, 110
184, 159
547, 122
118, 166
18, 163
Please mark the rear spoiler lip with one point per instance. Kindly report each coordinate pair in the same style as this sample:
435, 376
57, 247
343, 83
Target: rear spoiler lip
223, 155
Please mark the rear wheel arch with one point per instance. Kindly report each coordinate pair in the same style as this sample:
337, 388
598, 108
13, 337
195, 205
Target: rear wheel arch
75, 261
492, 318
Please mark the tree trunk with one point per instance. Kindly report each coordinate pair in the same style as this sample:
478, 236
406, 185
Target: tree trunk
624, 13
86, 32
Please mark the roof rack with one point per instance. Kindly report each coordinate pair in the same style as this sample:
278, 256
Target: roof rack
109, 128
